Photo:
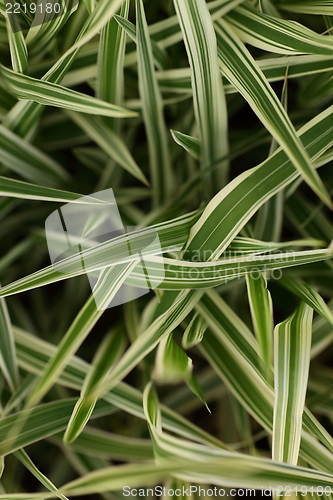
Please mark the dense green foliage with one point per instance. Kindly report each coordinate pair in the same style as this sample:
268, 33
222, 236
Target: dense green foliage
213, 124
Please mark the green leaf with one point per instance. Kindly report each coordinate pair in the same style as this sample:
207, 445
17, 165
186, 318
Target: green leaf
102, 13
109, 282
277, 35
167, 31
111, 53
194, 333
172, 365
323, 7
114, 478
23, 496
292, 345
23, 117
130, 29
34, 353
262, 314
108, 353
241, 70
25, 190
208, 96
23, 457
190, 144
309, 296
247, 246
18, 50
8, 361
28, 161
152, 109
39, 38
255, 473
223, 218
273, 68
235, 360
52, 94
216, 466
172, 236
109, 142
149, 339
97, 443
30, 426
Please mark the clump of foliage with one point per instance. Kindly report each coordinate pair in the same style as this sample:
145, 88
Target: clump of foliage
213, 124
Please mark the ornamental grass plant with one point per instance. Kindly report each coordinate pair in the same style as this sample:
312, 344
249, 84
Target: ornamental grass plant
212, 124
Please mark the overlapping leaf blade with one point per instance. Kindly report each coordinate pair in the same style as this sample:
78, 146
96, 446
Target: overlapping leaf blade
110, 280
291, 366
152, 109
8, 362
208, 96
242, 71
52, 94
106, 356
223, 218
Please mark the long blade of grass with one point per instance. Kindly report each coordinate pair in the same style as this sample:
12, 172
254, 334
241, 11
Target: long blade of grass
208, 96
152, 109
18, 50
292, 345
28, 161
97, 19
39, 38
323, 7
255, 473
167, 32
24, 458
34, 353
166, 449
148, 340
277, 35
274, 69
111, 53
262, 314
109, 142
8, 361
172, 236
308, 295
24, 190
178, 275
108, 353
52, 94
109, 283
97, 443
